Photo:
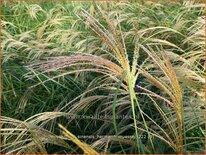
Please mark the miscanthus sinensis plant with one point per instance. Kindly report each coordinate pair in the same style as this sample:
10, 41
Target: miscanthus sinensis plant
72, 60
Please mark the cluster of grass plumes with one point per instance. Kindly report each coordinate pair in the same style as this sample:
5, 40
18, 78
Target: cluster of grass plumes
67, 63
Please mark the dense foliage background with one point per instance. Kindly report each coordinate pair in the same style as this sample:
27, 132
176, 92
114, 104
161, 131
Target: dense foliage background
121, 77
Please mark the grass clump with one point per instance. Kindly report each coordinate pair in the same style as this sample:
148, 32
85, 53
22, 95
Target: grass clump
85, 65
